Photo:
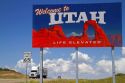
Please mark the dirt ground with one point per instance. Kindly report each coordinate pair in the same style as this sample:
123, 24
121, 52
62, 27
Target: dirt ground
12, 80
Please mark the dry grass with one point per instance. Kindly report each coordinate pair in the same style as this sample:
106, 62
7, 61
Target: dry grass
119, 79
10, 74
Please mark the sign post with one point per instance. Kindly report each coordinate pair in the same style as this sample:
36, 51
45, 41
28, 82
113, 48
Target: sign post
113, 65
26, 72
26, 60
77, 67
41, 65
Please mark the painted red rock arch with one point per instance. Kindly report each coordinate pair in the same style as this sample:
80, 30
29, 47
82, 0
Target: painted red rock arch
45, 36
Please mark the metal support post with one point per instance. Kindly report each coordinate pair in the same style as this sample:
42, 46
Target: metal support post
113, 65
77, 69
41, 65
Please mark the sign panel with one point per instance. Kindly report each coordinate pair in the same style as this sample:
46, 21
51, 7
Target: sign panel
77, 25
27, 57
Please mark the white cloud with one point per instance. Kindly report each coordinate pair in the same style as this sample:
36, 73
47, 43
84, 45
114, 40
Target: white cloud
45, 51
57, 65
123, 51
67, 67
120, 65
84, 68
61, 65
21, 66
103, 66
82, 57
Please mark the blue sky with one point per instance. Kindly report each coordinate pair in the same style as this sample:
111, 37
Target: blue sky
16, 35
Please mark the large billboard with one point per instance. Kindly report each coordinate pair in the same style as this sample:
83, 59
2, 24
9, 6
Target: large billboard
77, 25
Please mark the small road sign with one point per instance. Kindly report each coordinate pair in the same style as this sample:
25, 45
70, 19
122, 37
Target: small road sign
27, 57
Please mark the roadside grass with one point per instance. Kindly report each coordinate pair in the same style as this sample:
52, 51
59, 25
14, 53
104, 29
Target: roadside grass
10, 74
119, 79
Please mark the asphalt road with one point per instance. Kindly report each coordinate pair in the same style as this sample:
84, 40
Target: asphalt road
12, 80
18, 80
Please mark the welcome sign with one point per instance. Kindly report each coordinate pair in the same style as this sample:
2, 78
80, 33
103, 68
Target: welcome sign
77, 25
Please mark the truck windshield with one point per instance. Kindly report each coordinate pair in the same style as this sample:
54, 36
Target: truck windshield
33, 71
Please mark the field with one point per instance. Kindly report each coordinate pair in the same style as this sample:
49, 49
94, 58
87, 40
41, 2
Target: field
11, 76
119, 79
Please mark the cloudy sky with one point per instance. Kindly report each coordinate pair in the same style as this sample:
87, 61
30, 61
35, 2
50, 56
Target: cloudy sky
15, 39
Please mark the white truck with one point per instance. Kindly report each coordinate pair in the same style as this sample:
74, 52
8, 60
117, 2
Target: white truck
35, 72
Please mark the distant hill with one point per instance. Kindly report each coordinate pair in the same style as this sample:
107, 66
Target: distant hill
6, 73
120, 74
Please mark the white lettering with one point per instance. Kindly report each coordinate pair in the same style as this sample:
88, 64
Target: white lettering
100, 17
82, 17
53, 19
70, 17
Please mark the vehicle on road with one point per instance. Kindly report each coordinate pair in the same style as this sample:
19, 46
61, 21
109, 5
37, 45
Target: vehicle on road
35, 72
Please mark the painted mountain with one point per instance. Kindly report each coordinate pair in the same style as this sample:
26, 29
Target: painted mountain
55, 37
